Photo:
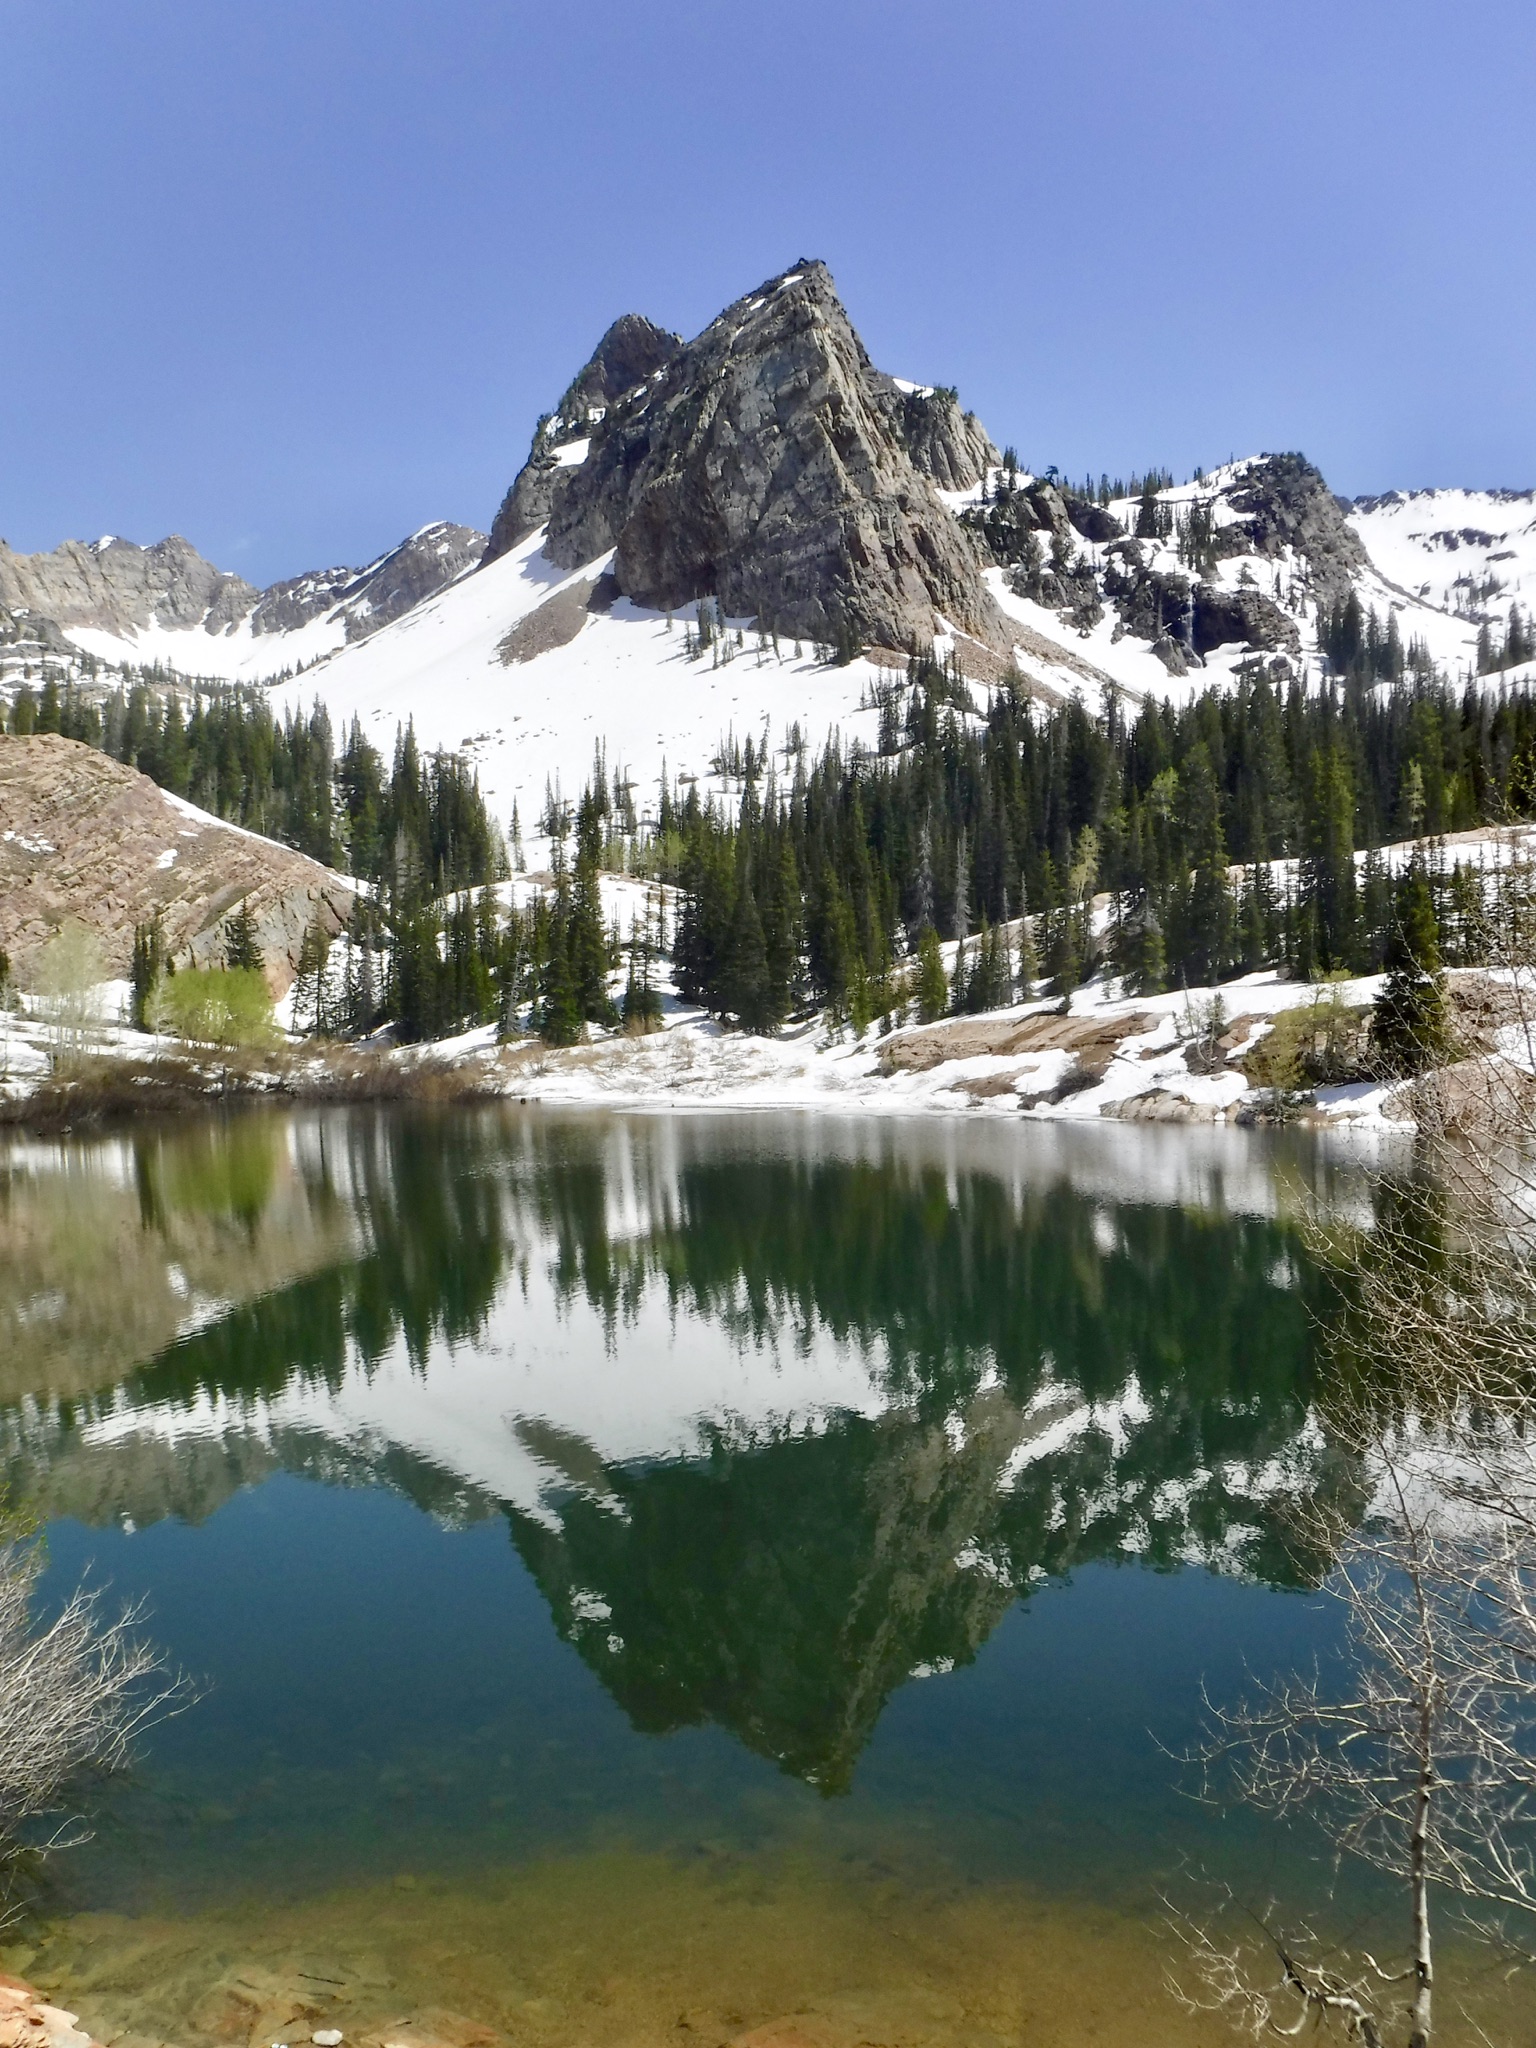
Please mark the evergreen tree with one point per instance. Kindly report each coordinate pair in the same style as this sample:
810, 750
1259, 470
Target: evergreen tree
560, 1019
1409, 1025
746, 990
148, 965
314, 951
585, 944
241, 949
932, 983
1029, 965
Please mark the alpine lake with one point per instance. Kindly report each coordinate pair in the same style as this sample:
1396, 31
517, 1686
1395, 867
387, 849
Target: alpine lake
665, 1579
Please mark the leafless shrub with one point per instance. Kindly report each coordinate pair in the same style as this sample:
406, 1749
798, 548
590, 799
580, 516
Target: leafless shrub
1417, 1755
76, 1693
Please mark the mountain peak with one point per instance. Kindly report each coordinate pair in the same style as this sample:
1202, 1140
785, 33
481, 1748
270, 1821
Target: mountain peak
768, 464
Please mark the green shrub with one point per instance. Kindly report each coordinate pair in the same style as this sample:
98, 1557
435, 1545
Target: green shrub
1316, 1045
223, 1006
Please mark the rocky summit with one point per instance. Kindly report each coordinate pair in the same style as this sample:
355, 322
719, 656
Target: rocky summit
769, 465
629, 354
115, 586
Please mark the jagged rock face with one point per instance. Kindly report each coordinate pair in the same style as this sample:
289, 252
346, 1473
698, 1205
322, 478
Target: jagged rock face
768, 464
1285, 502
629, 354
632, 350
369, 598
87, 838
27, 633
117, 585
1182, 617
949, 445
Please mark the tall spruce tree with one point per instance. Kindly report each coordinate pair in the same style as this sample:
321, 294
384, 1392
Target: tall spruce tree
241, 948
1410, 1027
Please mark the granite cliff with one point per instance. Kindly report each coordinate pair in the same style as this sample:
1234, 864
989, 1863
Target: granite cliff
767, 464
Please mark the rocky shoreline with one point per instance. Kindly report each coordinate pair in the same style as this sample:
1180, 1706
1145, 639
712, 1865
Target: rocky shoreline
27, 2018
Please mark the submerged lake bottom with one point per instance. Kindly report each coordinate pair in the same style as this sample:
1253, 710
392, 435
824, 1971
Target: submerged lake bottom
667, 1578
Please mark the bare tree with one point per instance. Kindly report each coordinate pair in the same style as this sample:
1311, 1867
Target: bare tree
69, 975
1413, 1757
1417, 1756
76, 1693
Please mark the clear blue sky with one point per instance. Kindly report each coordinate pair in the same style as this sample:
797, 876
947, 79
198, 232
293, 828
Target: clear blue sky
293, 276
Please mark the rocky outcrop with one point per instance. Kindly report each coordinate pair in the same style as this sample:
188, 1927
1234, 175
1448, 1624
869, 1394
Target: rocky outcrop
83, 837
1182, 617
1243, 616
769, 465
931, 1045
367, 599
119, 586
629, 354
1283, 501
27, 2020
948, 445
27, 634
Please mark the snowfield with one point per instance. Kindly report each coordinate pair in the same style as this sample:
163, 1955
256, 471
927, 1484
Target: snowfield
1435, 546
622, 682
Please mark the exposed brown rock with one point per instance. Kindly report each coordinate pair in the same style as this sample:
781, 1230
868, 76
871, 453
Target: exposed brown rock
83, 837
554, 623
967, 1038
27, 2020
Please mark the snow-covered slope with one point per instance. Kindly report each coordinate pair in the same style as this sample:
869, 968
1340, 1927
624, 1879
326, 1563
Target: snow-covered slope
622, 680
235, 654
165, 605
1464, 552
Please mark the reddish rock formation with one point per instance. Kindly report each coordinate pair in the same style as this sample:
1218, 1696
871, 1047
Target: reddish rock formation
82, 836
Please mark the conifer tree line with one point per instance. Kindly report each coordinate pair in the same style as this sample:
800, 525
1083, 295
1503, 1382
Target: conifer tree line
544, 966
417, 824
1224, 831
835, 886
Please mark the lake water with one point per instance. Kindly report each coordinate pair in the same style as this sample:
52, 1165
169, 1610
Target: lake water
653, 1579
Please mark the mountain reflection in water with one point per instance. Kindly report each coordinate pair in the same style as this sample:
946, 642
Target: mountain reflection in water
778, 1415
